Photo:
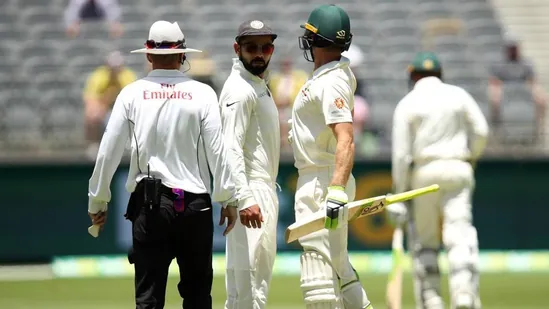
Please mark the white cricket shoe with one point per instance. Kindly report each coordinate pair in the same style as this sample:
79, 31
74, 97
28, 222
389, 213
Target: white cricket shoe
465, 301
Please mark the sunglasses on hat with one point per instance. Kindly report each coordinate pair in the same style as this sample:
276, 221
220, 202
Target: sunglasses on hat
150, 44
253, 48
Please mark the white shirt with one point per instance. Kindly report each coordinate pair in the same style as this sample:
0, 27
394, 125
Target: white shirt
176, 123
251, 131
435, 121
326, 98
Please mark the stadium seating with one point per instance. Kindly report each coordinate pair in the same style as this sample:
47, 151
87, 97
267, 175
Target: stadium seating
42, 72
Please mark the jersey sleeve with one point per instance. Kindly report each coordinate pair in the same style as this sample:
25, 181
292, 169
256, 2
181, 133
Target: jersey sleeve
401, 149
478, 126
109, 155
337, 101
237, 109
223, 186
127, 77
94, 84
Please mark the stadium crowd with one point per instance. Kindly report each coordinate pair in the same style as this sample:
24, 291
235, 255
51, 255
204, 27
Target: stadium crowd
505, 78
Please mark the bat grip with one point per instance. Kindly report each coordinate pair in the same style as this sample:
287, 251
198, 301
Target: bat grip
398, 238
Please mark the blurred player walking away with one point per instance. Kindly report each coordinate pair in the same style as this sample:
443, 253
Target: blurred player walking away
174, 127
252, 136
439, 132
322, 141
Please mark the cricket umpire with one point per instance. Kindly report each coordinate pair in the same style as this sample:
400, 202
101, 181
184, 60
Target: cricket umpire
173, 126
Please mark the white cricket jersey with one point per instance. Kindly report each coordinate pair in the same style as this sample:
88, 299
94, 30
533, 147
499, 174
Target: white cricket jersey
176, 123
435, 121
251, 131
326, 98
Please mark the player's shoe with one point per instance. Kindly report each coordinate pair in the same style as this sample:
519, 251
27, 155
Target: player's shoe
465, 301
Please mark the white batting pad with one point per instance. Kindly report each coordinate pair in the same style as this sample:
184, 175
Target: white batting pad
461, 241
318, 282
354, 296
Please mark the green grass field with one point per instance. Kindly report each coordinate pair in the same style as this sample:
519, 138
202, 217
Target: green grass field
498, 291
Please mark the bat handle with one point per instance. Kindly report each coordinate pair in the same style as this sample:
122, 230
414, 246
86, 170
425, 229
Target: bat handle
94, 230
398, 238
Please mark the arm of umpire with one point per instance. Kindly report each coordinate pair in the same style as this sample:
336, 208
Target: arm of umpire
401, 148
223, 185
478, 127
109, 155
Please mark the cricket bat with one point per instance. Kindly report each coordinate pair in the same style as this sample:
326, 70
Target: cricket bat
357, 209
394, 285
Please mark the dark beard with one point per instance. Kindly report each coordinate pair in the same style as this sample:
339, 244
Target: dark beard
254, 70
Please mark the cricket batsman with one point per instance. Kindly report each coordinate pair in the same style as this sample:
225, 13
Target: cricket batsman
439, 132
251, 132
323, 146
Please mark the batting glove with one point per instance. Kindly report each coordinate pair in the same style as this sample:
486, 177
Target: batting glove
337, 213
397, 213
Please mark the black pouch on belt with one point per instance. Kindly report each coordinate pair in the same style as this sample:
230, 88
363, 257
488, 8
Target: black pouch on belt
131, 209
152, 192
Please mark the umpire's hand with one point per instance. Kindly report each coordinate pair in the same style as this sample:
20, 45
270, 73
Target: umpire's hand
251, 216
228, 212
99, 218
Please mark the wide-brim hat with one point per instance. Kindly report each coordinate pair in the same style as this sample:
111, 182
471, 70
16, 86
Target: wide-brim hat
165, 38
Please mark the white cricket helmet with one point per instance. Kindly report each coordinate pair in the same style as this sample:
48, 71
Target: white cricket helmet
165, 38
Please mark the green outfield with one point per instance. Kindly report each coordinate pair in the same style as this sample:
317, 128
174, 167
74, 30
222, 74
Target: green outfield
499, 291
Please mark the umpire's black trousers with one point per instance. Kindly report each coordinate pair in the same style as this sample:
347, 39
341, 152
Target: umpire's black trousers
163, 234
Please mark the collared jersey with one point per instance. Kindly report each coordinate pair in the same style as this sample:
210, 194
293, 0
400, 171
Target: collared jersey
435, 121
172, 123
251, 131
326, 98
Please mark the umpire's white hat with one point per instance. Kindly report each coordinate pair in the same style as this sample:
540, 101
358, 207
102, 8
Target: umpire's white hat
165, 38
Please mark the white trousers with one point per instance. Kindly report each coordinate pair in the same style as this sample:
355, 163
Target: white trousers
452, 204
310, 197
250, 254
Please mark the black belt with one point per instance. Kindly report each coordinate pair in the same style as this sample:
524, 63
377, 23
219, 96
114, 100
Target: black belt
168, 191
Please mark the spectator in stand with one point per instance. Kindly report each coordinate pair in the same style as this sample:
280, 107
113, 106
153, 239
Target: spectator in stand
79, 11
101, 90
285, 86
356, 56
366, 141
512, 71
202, 70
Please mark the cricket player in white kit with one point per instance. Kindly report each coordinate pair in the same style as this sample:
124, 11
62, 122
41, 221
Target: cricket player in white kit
322, 142
439, 132
252, 136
